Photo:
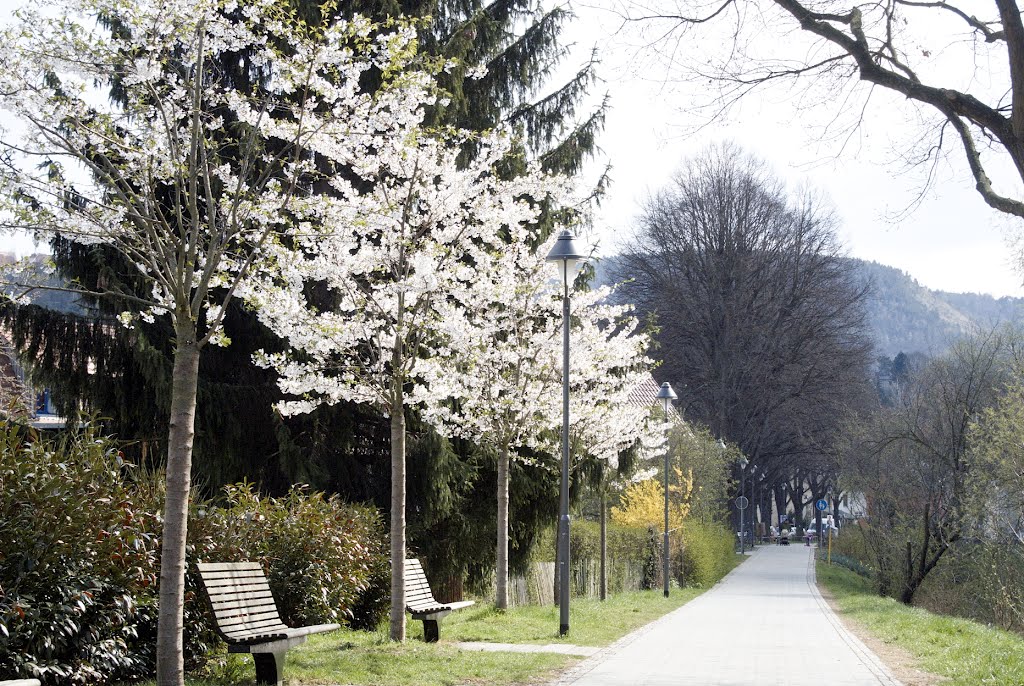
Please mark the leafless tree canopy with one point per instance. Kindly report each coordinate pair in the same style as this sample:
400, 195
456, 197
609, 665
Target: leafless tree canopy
914, 463
958, 63
761, 323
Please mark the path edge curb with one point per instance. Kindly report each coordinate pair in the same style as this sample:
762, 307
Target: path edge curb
866, 656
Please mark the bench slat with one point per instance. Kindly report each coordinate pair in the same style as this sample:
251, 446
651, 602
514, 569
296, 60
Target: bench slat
237, 570
228, 614
242, 597
415, 593
255, 582
266, 618
236, 574
206, 567
260, 620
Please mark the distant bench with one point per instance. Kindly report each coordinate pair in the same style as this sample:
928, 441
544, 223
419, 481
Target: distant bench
20, 682
247, 617
420, 601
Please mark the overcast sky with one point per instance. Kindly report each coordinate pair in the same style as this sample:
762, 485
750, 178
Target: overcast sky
952, 241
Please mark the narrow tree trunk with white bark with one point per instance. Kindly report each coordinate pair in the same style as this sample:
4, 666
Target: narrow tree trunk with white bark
501, 590
170, 667
397, 497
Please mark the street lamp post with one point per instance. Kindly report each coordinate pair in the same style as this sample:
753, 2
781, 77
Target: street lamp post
743, 506
666, 395
566, 254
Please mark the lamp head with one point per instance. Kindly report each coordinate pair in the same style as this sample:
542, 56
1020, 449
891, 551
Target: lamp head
567, 253
666, 395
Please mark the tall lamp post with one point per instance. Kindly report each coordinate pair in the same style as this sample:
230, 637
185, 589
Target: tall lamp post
566, 254
666, 395
742, 503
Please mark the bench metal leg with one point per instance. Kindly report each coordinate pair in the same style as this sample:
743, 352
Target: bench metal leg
269, 667
431, 631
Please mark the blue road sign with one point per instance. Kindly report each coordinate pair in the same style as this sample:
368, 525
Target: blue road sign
821, 504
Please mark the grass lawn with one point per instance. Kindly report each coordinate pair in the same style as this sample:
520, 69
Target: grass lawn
591, 622
369, 658
966, 653
358, 657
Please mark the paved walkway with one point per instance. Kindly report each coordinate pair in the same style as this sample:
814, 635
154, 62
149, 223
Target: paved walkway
764, 625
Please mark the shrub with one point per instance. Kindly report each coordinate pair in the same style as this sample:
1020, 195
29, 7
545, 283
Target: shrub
852, 544
707, 553
78, 554
980, 580
79, 559
627, 552
320, 554
702, 554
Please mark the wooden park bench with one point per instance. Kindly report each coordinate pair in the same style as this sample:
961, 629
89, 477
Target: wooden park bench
419, 601
247, 618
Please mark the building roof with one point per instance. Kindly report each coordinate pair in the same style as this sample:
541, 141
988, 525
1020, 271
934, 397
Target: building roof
645, 393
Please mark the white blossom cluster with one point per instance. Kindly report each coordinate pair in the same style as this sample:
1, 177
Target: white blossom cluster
182, 172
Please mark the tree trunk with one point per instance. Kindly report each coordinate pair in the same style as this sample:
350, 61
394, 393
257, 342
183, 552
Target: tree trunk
501, 557
916, 577
604, 545
397, 492
398, 524
170, 661
779, 494
907, 595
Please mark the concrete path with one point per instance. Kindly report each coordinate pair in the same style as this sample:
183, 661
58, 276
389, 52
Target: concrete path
764, 625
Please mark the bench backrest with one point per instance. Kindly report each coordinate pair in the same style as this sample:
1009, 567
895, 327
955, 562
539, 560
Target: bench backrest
241, 599
417, 590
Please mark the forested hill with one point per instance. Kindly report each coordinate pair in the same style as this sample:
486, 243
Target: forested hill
904, 316
907, 317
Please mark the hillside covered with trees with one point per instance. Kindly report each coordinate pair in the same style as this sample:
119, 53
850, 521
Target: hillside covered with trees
904, 316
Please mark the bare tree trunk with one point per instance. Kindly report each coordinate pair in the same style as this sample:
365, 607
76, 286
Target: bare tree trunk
927, 560
398, 524
170, 661
397, 494
907, 595
927, 536
779, 493
501, 557
604, 545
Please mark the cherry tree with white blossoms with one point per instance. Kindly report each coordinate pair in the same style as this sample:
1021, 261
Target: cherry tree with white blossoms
188, 178
508, 366
404, 263
609, 363
510, 371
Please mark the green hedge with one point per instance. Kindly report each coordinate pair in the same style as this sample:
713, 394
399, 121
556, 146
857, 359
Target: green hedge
708, 553
79, 559
702, 554
634, 555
